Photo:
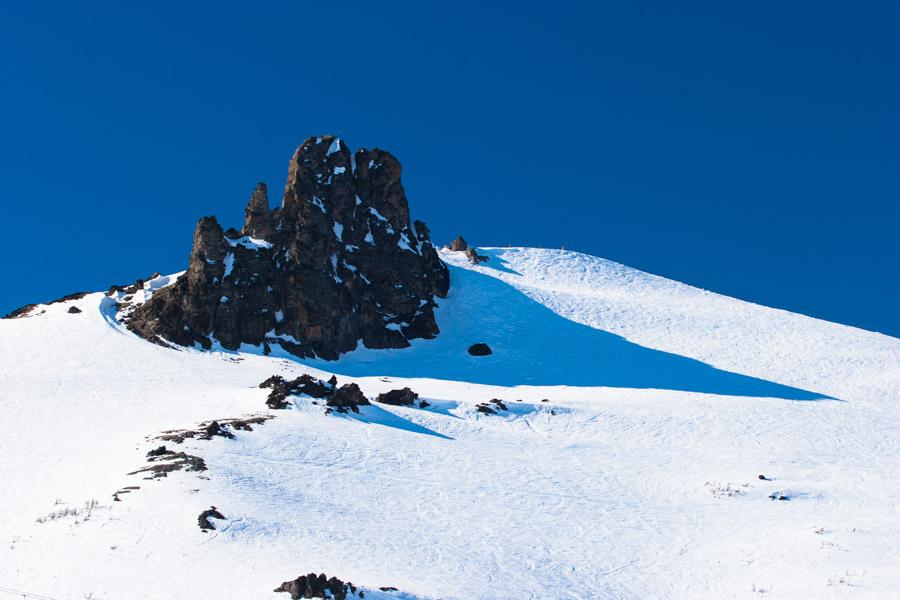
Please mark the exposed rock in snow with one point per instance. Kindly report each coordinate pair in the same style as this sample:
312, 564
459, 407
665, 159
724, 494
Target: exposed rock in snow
317, 586
459, 244
401, 397
290, 263
347, 397
305, 384
26, 310
480, 349
204, 519
474, 257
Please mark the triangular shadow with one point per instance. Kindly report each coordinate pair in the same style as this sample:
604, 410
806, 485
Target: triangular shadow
375, 415
535, 346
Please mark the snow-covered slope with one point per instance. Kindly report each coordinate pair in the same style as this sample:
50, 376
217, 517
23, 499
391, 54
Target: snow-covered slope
636, 478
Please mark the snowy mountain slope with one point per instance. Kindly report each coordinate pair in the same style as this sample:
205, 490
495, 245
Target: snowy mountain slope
636, 479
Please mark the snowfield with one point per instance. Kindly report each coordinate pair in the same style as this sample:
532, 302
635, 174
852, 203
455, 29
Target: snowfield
641, 414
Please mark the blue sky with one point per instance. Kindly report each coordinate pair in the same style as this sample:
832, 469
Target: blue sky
749, 148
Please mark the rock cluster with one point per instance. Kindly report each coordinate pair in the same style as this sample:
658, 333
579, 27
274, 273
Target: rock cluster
341, 399
460, 245
318, 586
337, 263
305, 384
492, 407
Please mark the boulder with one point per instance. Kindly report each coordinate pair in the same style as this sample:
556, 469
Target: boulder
348, 396
402, 397
480, 349
204, 519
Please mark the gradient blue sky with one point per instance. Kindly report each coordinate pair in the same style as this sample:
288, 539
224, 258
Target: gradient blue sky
751, 148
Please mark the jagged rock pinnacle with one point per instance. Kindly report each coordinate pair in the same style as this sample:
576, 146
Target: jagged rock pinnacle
459, 244
257, 220
337, 263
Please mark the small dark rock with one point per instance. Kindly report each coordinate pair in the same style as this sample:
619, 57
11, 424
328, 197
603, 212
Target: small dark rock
387, 588
204, 519
480, 349
499, 403
162, 450
764, 478
545, 400
424, 403
333, 381
484, 408
215, 429
74, 310
474, 257
403, 397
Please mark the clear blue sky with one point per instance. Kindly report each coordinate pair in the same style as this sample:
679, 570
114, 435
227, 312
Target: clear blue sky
751, 148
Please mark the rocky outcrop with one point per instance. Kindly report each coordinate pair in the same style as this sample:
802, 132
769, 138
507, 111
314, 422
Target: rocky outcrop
401, 397
204, 519
460, 245
317, 586
341, 399
337, 263
305, 384
347, 397
25, 311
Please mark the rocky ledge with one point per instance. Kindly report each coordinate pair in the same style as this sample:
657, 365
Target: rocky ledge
337, 263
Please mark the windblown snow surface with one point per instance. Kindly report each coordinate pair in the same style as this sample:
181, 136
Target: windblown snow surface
637, 478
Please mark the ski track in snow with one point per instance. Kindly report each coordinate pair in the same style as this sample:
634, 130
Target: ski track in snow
640, 481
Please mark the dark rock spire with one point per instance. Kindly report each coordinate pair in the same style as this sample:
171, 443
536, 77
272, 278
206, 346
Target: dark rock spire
257, 220
337, 263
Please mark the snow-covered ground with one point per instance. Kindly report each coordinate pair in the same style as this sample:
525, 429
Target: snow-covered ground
637, 478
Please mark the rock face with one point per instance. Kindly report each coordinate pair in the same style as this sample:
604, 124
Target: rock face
337, 263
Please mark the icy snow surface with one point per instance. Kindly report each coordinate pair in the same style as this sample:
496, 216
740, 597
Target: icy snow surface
637, 478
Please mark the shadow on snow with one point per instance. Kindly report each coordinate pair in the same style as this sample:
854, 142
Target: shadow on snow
534, 346
376, 415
